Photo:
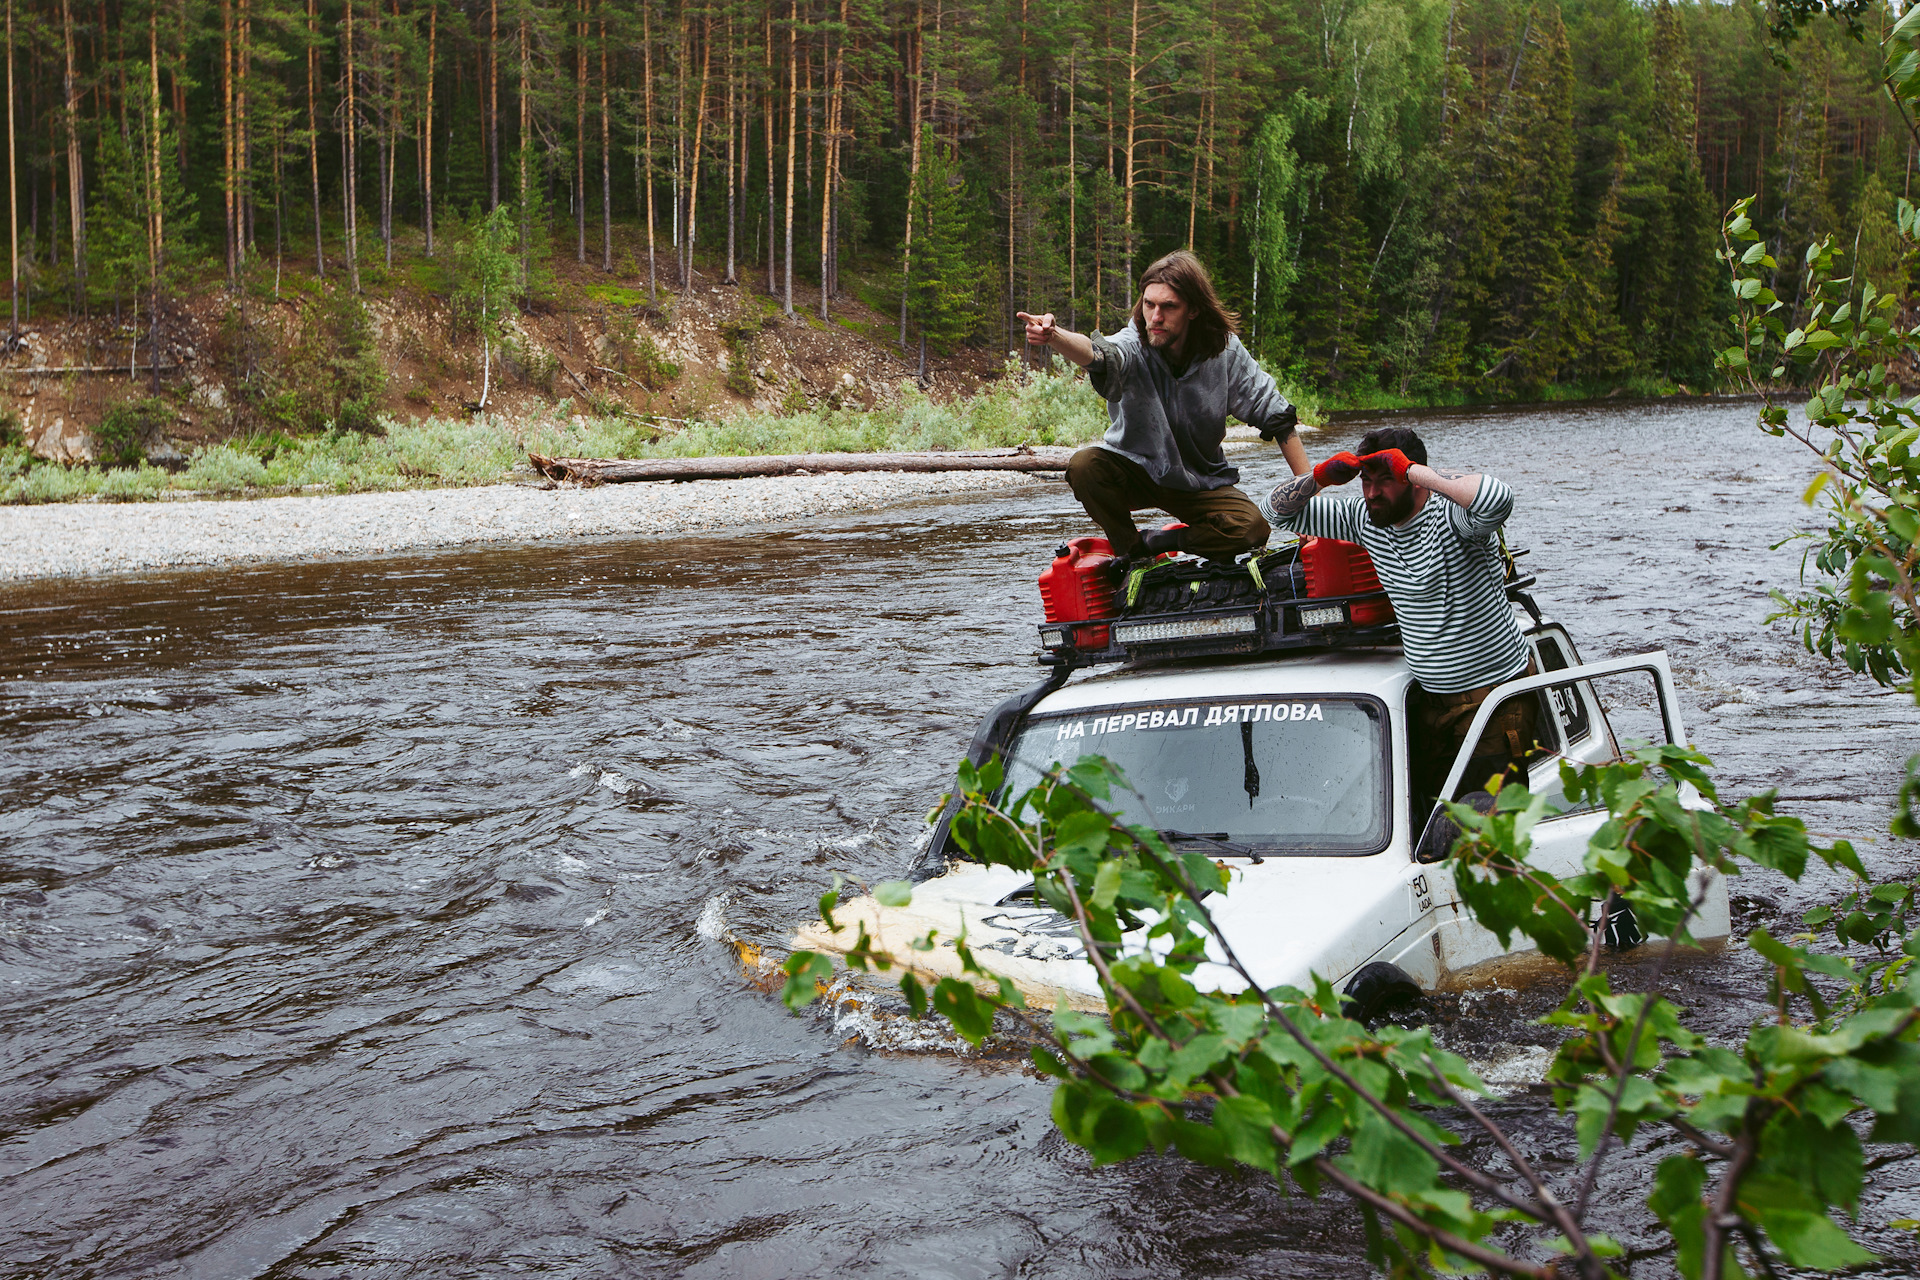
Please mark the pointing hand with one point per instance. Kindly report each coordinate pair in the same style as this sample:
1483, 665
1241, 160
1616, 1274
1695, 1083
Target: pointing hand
1338, 469
1039, 328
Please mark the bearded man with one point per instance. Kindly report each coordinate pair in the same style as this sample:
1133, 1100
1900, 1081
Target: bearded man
1170, 380
1441, 564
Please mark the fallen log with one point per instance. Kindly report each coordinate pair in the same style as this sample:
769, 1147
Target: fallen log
618, 470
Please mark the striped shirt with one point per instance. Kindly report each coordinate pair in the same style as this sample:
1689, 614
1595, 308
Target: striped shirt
1443, 572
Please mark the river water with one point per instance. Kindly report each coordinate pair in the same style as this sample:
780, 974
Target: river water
360, 919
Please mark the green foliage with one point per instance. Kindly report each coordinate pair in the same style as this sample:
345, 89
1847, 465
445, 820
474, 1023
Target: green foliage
1281, 1081
332, 377
1023, 408
1858, 574
633, 352
127, 428
739, 339
943, 292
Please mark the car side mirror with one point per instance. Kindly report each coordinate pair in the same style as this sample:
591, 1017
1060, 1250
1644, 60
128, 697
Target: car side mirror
1442, 832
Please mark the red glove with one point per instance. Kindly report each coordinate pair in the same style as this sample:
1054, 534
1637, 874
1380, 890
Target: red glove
1338, 469
1392, 459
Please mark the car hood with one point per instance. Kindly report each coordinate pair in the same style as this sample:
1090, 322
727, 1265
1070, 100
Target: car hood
1286, 919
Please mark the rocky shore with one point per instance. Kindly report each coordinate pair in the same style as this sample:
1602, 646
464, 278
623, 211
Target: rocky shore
85, 539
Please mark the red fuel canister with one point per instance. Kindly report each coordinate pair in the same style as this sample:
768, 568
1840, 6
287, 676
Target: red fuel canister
1075, 588
1336, 568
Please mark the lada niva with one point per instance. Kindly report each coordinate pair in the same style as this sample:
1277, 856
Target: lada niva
1290, 763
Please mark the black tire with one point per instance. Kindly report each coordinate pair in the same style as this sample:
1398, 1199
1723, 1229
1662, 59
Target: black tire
1380, 990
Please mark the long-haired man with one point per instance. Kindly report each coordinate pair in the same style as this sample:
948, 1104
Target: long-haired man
1171, 378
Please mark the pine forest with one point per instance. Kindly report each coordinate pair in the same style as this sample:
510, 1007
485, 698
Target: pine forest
1414, 199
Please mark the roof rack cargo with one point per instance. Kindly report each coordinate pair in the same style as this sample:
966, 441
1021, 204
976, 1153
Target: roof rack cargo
1187, 608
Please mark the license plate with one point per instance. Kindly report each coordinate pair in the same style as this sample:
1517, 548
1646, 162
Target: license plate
1331, 616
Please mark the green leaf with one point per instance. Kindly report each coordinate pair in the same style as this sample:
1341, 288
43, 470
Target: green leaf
971, 1016
1805, 1236
1387, 1160
915, 993
1824, 1160
893, 893
1246, 1126
1106, 886
806, 971
1676, 1201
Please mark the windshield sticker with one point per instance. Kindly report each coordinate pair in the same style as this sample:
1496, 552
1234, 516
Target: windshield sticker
1181, 717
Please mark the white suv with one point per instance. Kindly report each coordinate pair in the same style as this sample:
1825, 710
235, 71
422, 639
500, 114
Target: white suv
1291, 768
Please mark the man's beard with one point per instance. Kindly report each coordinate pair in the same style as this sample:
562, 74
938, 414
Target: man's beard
1387, 514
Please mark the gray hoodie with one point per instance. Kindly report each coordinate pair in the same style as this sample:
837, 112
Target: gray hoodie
1172, 424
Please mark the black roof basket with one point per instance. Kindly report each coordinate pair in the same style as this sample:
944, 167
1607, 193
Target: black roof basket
1256, 606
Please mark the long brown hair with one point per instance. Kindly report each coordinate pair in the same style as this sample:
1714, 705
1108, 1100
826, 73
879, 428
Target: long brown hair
1212, 323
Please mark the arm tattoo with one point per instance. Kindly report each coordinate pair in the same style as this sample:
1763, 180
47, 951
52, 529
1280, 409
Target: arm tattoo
1447, 473
1290, 499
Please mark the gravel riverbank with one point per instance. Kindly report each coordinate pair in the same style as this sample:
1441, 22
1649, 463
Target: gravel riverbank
83, 539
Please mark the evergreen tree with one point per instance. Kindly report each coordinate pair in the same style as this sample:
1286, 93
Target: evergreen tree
943, 297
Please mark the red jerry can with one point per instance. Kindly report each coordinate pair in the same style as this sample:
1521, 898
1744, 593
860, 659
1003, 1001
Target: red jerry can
1336, 568
1076, 588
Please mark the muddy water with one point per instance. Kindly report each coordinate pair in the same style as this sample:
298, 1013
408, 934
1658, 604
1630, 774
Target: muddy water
356, 920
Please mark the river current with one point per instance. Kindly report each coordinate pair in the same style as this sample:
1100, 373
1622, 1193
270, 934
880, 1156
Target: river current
366, 919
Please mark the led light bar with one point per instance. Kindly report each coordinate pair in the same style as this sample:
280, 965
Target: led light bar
1052, 637
1331, 616
1186, 629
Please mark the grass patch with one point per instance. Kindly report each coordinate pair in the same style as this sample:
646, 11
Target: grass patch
1021, 408
615, 295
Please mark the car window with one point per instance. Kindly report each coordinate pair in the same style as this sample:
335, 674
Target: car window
1301, 775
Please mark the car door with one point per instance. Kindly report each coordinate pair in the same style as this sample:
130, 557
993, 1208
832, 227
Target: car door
1577, 728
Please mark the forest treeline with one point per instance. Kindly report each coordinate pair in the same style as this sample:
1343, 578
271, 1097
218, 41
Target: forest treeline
1404, 198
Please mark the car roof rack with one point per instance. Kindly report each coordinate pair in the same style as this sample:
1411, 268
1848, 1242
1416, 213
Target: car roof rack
1280, 622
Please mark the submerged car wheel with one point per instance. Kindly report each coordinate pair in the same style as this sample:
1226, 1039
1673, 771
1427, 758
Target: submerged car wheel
1380, 991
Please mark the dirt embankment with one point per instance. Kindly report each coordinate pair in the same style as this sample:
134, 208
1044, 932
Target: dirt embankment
594, 344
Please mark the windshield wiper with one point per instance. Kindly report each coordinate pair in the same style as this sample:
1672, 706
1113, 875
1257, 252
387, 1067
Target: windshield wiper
1218, 840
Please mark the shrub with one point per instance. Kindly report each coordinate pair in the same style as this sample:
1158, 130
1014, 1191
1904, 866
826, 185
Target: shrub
127, 429
333, 376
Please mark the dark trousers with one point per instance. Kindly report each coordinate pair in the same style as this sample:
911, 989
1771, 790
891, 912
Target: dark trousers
1437, 726
1221, 522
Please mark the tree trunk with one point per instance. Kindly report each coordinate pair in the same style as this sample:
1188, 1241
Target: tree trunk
1193, 191
243, 138
732, 75
493, 101
683, 55
13, 186
392, 134
353, 156
227, 193
618, 471
828, 137
646, 44
313, 136
766, 115
426, 161
76, 189
913, 163
1073, 205
1133, 117
693, 158
526, 143
580, 136
606, 158
156, 207
793, 136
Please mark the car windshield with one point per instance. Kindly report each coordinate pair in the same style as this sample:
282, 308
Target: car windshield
1306, 776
